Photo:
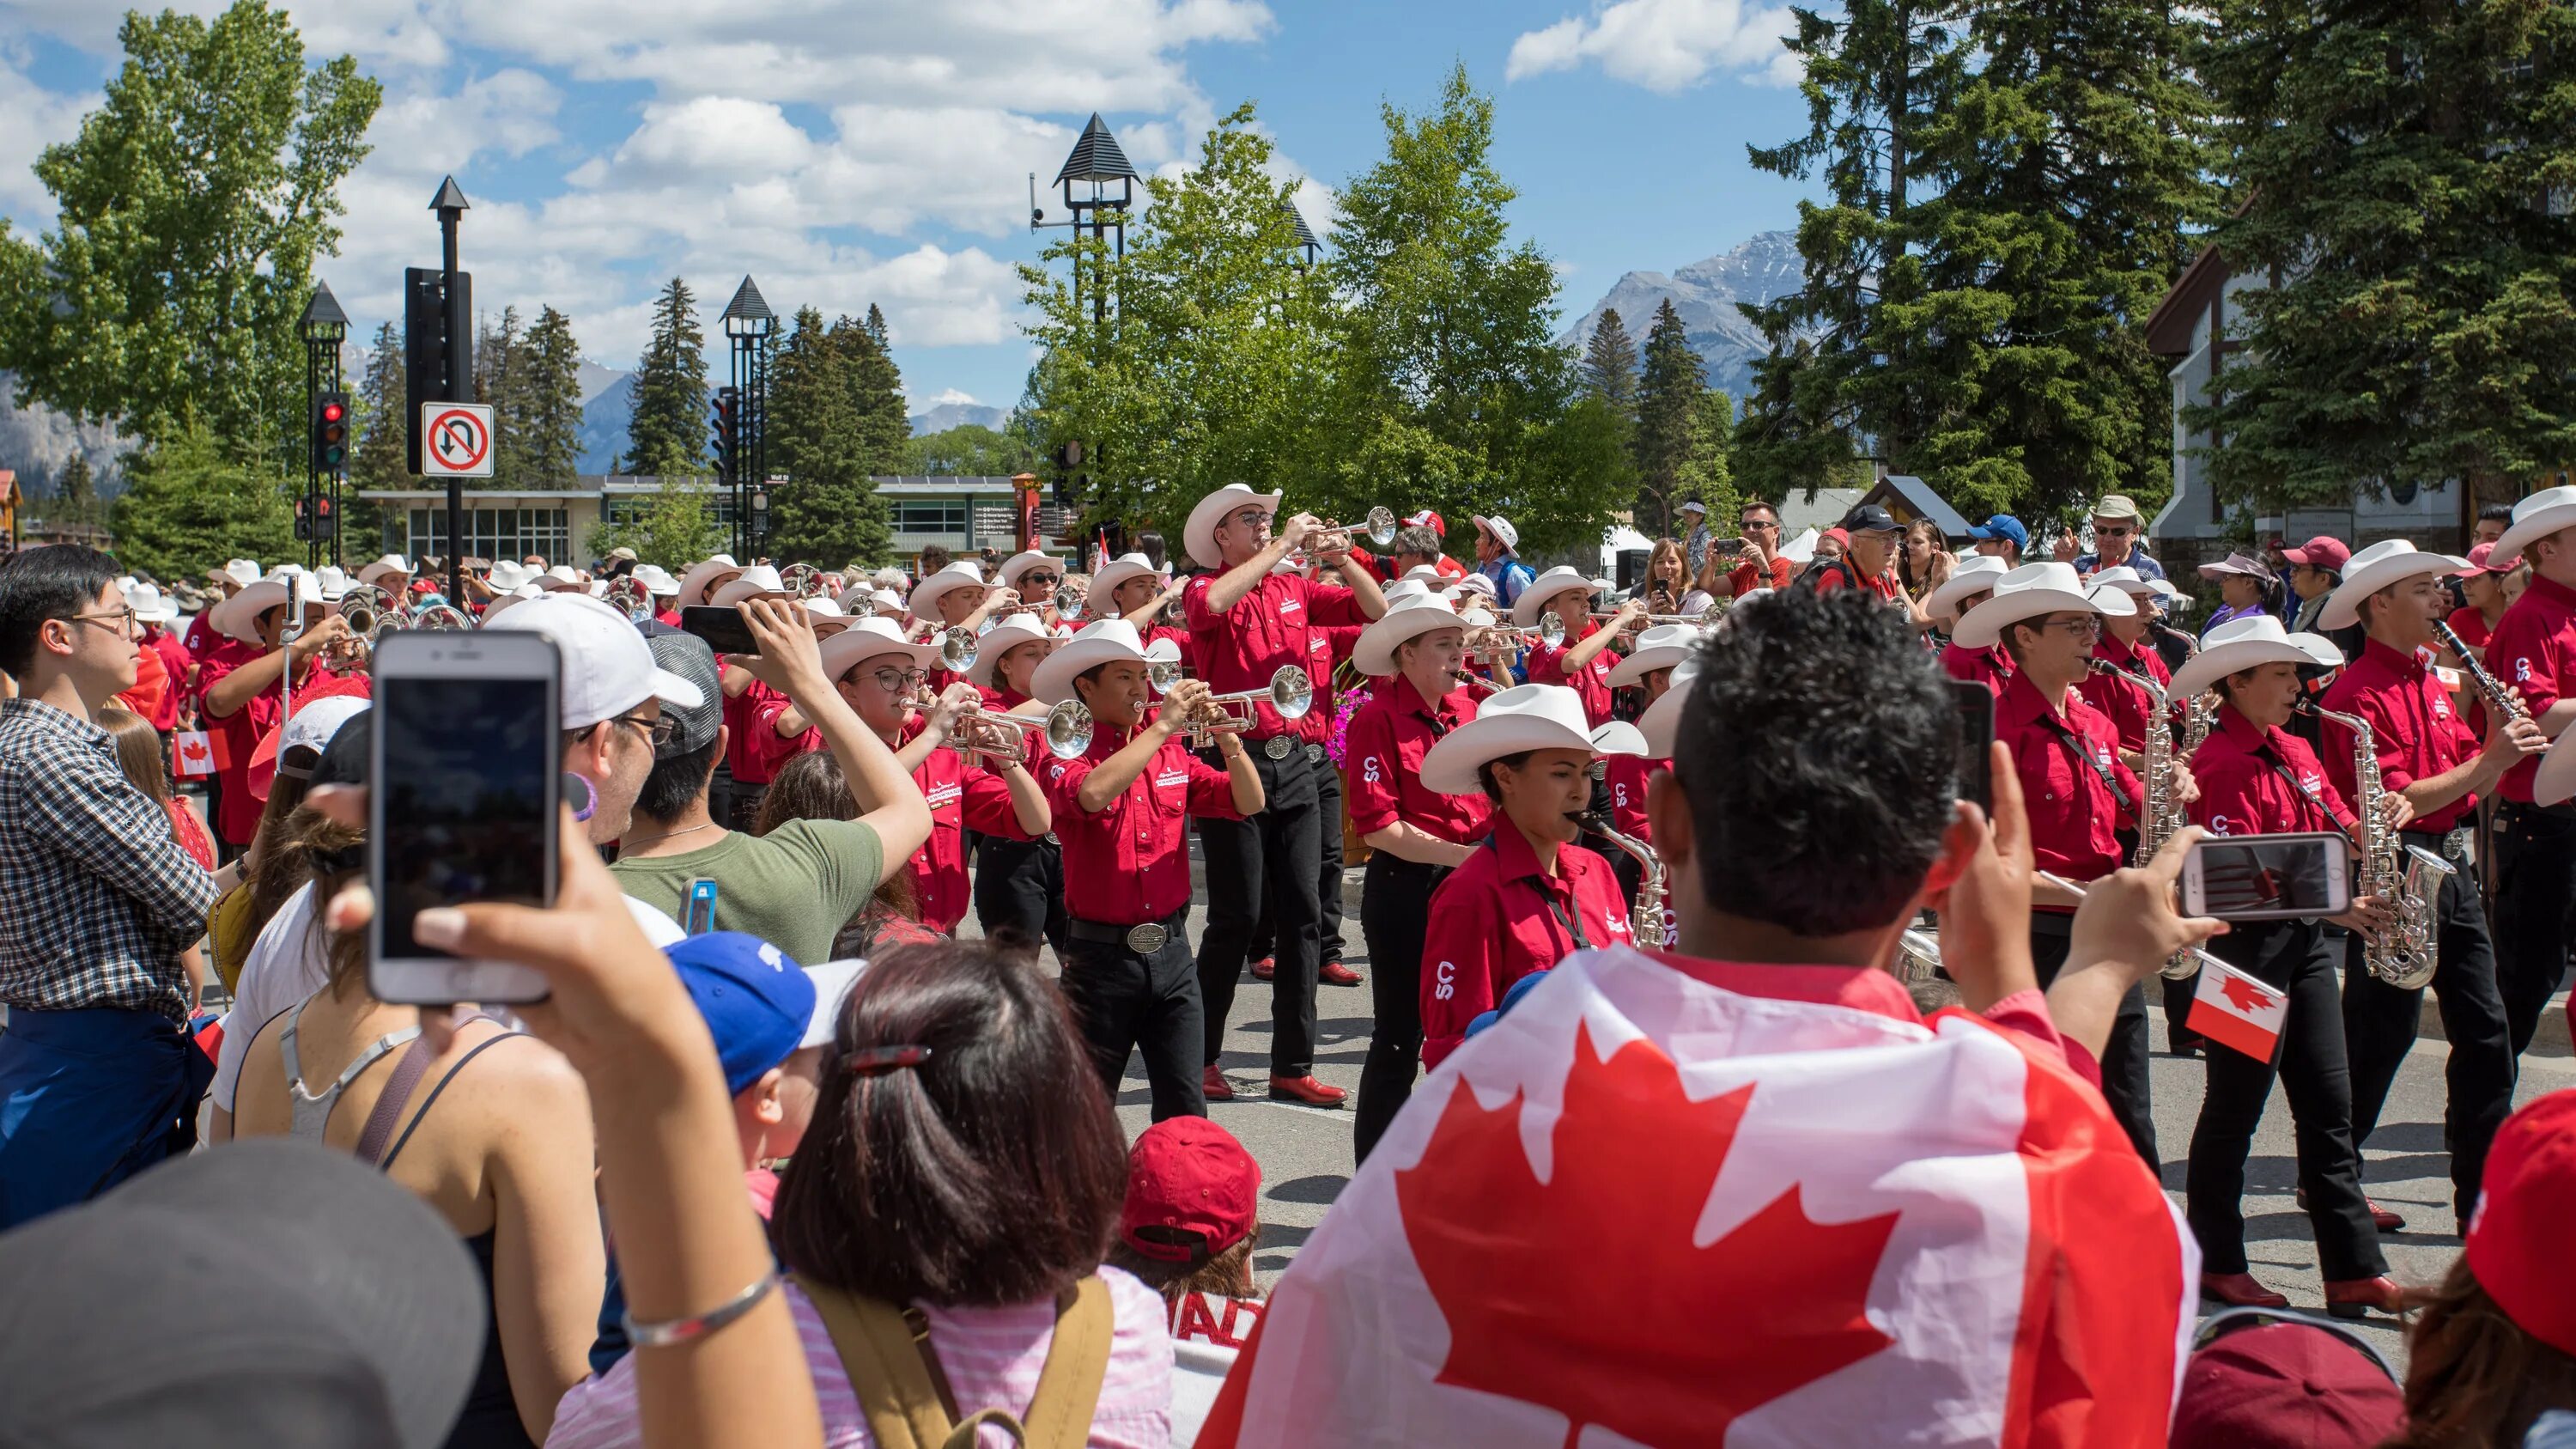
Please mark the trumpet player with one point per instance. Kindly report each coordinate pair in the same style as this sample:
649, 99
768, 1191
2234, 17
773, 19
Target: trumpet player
1583, 659
1246, 623
1121, 808
1019, 875
1649, 671
1130, 587
2428, 754
954, 598
1032, 576
1969, 585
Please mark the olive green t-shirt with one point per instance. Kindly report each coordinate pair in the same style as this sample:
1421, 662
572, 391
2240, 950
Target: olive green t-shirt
794, 887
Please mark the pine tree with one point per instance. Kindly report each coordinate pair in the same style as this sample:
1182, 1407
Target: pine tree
1610, 363
674, 531
75, 495
379, 462
831, 394
666, 434
1707, 476
548, 394
876, 329
497, 366
1668, 400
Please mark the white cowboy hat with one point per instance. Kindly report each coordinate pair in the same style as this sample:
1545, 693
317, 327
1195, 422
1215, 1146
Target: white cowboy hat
1477, 584
2374, 568
2536, 517
2029, 592
702, 579
1199, 538
1008, 575
507, 577
927, 594
1545, 587
2243, 644
869, 638
392, 563
1975, 574
333, 581
826, 617
2555, 781
1618, 737
238, 615
1661, 647
1103, 641
2171, 593
558, 578
657, 580
1408, 616
752, 583
150, 606
1525, 717
243, 572
1104, 584
521, 594
1663, 719
1001, 639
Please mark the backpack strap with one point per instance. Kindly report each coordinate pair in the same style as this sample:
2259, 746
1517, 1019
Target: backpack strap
905, 1395
1077, 1363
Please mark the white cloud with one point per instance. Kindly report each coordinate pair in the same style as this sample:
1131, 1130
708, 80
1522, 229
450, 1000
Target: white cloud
950, 395
1663, 45
30, 120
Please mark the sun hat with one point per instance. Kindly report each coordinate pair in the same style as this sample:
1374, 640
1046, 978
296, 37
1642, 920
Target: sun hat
1192, 1191
558, 578
2244, 565
1198, 538
2285, 1385
2376, 567
1102, 641
1001, 639
238, 616
622, 553
1408, 616
2534, 518
1501, 528
1662, 720
1693, 505
702, 579
508, 577
2003, 526
309, 729
757, 581
392, 563
657, 580
2115, 505
2321, 552
2030, 592
2516, 1243
1008, 575
1975, 574
2238, 644
150, 605
927, 594
1524, 717
608, 669
1104, 584
757, 1002
1543, 588
1661, 647
869, 638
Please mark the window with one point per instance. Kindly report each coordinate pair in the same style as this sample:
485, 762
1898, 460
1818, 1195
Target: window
495, 533
947, 515
630, 507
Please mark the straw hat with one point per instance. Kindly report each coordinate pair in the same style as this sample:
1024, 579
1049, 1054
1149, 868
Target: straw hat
1103, 641
869, 638
1406, 618
1199, 537
1664, 646
2035, 591
1526, 717
2376, 567
2245, 643
701, 580
1543, 588
1975, 574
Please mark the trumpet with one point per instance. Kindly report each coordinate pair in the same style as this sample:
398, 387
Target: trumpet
445, 618
628, 595
958, 648
1289, 692
1380, 528
858, 604
1066, 730
1551, 629
1162, 674
368, 611
800, 581
1070, 600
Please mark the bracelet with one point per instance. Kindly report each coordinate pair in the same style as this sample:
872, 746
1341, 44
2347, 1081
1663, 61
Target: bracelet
683, 1330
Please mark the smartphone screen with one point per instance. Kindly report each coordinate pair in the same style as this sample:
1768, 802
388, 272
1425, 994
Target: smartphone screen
722, 626
1976, 733
2267, 877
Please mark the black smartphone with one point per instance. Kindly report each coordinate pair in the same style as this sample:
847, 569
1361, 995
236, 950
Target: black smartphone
1976, 704
722, 626
1729, 547
465, 792
2267, 877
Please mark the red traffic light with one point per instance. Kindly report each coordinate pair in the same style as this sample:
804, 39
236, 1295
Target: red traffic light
334, 411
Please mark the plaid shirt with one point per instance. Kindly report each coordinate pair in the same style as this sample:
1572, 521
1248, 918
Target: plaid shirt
97, 899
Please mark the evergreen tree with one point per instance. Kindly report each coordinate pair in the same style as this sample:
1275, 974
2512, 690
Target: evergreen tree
830, 394
1707, 476
75, 495
666, 434
497, 383
1610, 363
1667, 418
548, 395
189, 504
378, 461
876, 328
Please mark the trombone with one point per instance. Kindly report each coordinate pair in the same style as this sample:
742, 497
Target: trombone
1066, 730
1289, 692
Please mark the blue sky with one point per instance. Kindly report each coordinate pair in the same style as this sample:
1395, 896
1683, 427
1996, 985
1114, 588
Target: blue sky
845, 152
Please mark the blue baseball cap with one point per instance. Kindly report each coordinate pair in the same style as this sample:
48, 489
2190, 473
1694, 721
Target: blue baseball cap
758, 1003
2003, 525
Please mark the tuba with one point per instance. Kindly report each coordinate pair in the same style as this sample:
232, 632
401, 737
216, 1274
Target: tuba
1646, 923
2408, 877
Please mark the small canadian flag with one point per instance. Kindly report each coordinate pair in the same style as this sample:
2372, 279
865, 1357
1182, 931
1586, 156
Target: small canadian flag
193, 755
2237, 1011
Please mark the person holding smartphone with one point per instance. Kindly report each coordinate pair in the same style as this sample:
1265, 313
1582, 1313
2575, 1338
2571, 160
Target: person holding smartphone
2257, 778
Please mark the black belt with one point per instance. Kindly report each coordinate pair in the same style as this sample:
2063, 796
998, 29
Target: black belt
1144, 939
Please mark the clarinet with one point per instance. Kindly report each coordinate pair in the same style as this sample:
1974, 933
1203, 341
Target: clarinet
2504, 701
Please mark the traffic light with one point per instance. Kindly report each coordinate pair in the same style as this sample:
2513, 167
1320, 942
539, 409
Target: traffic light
331, 432
724, 423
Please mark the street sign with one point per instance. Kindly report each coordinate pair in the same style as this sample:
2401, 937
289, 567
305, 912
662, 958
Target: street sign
456, 440
993, 520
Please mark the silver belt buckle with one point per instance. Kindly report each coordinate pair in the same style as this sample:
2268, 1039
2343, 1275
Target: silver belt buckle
1276, 747
1314, 752
1051, 840
2456, 845
1148, 938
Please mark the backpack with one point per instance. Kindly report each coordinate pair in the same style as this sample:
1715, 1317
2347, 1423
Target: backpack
905, 1394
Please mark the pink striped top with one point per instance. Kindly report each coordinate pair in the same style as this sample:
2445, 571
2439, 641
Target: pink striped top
992, 1356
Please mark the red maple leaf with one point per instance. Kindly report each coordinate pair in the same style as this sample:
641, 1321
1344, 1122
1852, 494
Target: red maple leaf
2244, 995
194, 751
1585, 1294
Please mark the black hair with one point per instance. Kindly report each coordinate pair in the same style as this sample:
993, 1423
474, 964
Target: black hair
1518, 760
2500, 512
43, 584
1819, 751
676, 783
1150, 543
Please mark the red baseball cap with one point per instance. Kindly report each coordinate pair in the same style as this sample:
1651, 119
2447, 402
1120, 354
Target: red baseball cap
2284, 1386
2478, 564
2517, 1243
2320, 552
1188, 1176
1430, 520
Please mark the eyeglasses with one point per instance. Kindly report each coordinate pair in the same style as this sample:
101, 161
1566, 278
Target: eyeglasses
896, 681
1040, 579
659, 729
1762, 523
2082, 625
1250, 518
123, 619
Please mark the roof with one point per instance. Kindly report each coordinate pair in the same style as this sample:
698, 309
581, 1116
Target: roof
450, 197
1096, 157
622, 485
1921, 502
1826, 509
2169, 327
1297, 221
747, 302
324, 309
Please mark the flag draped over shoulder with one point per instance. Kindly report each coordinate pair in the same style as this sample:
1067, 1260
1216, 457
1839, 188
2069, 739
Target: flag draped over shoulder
1644, 1209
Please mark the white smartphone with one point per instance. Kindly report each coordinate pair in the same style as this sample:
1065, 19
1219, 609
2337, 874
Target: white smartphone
2267, 877
465, 789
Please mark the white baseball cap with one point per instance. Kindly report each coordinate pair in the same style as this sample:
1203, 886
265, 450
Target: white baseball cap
608, 669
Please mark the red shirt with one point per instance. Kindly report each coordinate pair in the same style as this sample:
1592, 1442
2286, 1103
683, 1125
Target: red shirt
1989, 666
219, 655
2533, 649
2470, 625
1324, 649
2414, 730
2121, 699
1749, 575
668, 616
1498, 918
1627, 781
1130, 863
2073, 814
962, 797
753, 750
1265, 631
1387, 739
2243, 793
1591, 683
237, 819
1832, 576
174, 663
153, 690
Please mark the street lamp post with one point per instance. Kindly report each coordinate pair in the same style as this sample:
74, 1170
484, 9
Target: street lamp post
324, 327
1095, 161
748, 326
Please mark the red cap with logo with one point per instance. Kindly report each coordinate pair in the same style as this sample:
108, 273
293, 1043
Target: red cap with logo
1192, 1191
2519, 1242
1430, 520
2320, 552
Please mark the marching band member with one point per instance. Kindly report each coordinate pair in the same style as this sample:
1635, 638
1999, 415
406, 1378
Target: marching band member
240, 692
1968, 585
1019, 875
2533, 649
2125, 646
1416, 836
1650, 672
1247, 621
701, 580
391, 573
2427, 754
1325, 649
1583, 660
953, 598
2259, 779
1122, 808
1526, 896
1032, 576
1130, 587
2076, 788
2482, 596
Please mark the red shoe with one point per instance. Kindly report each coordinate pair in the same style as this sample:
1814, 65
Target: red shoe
1265, 968
2240, 1290
1334, 973
2380, 1217
1214, 1087
2355, 1297
1307, 1090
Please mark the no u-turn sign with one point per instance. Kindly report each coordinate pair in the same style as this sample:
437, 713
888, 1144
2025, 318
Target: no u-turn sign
455, 440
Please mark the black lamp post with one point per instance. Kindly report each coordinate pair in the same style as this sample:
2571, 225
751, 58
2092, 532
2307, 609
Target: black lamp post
1307, 246
749, 325
1094, 162
324, 327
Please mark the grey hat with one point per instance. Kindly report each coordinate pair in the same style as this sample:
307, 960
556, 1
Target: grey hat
268, 1293
689, 657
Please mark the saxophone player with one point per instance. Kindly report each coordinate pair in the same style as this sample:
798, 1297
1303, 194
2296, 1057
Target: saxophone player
2429, 755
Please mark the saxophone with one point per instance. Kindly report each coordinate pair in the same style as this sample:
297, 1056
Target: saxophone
1646, 913
2408, 877
2162, 813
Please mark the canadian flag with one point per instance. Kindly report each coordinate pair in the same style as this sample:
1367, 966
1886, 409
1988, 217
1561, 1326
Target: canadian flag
1643, 1209
194, 754
2237, 1011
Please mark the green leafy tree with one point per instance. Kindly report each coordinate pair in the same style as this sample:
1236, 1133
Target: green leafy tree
1706, 475
674, 530
836, 419
666, 433
2403, 175
1610, 363
189, 210
548, 397
1667, 420
190, 503
75, 494
972, 450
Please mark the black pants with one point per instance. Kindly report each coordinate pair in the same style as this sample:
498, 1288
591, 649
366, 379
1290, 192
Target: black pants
2124, 1058
2379, 1025
1246, 859
2535, 882
2294, 956
1329, 945
1124, 1000
1395, 913
1019, 886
